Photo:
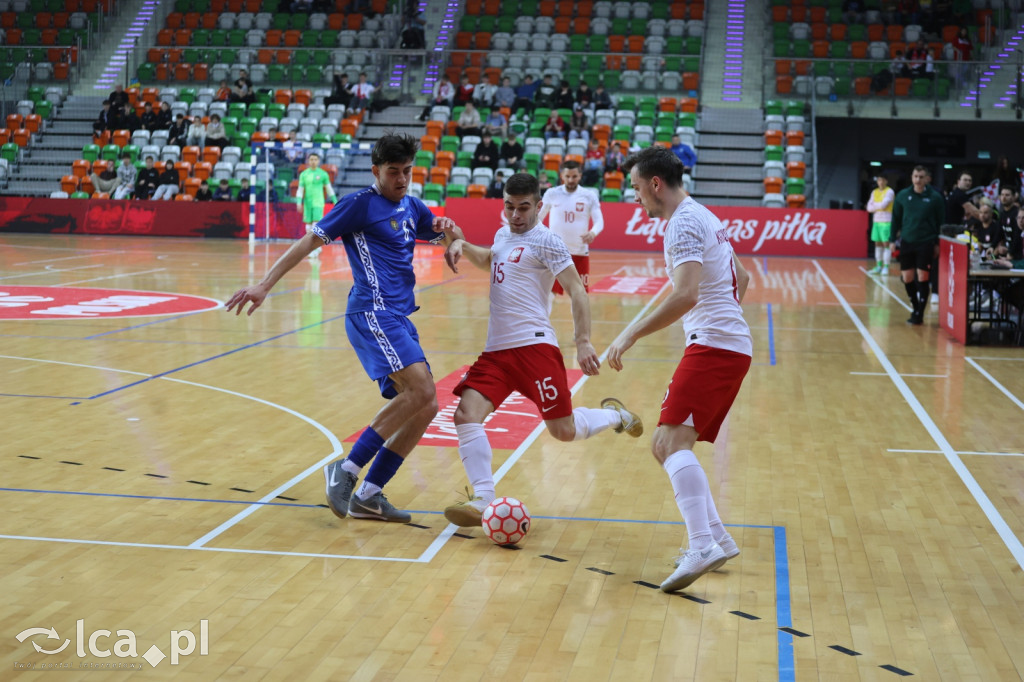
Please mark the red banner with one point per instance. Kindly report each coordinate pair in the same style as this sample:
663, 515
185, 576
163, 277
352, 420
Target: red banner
753, 231
106, 216
953, 264
507, 427
629, 285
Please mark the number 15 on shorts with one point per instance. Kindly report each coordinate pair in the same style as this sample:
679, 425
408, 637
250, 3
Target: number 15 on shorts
547, 392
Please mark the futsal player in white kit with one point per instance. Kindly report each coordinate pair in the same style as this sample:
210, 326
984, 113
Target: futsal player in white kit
708, 284
570, 209
522, 352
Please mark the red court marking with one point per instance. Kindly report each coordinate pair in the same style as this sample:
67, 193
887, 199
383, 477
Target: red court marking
628, 285
50, 303
507, 427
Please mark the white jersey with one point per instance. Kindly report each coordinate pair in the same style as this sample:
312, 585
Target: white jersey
694, 234
570, 215
523, 268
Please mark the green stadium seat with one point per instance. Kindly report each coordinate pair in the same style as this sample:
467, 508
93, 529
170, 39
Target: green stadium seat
276, 73
36, 93
424, 158
298, 21
456, 190
111, 152
611, 195
187, 95
321, 137
230, 124
257, 110
464, 159
773, 107
340, 138
794, 108
9, 151
796, 186
773, 153
449, 143
276, 110
248, 125
842, 87
433, 192
297, 74
91, 152
44, 108
79, 195
132, 150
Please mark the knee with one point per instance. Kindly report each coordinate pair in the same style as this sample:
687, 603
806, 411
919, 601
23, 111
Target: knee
562, 429
462, 416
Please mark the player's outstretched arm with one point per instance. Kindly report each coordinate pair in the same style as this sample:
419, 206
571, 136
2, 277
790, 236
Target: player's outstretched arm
682, 298
742, 278
256, 293
477, 255
572, 284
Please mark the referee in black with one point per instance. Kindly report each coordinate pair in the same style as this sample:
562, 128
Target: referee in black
917, 215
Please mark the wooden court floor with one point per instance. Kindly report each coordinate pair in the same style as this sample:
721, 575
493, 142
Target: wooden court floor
160, 476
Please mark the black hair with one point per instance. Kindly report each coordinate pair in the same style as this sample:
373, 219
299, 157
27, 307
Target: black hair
656, 162
522, 184
394, 148
571, 164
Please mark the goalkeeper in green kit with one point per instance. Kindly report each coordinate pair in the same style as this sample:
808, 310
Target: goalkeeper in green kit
312, 183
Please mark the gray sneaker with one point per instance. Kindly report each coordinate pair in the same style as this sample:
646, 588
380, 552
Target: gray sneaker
377, 507
340, 485
631, 423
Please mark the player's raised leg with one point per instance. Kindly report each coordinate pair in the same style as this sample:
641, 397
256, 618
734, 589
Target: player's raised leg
476, 455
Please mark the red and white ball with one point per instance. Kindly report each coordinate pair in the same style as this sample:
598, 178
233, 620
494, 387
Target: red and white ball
506, 521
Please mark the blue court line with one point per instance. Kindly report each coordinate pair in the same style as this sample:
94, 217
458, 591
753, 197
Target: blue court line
246, 347
174, 317
26, 395
783, 610
771, 337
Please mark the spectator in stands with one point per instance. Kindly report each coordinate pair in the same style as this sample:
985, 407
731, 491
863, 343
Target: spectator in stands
685, 154
505, 96
361, 93
1006, 174
164, 118
555, 126
613, 160
178, 132
962, 49
223, 92
463, 93
496, 123
602, 100
261, 194
496, 190
105, 181
525, 94
243, 191
216, 135
958, 205
196, 135
564, 98
908, 12
483, 94
148, 119
593, 164
579, 125
853, 11
1009, 208
585, 97
512, 154
443, 96
917, 58
102, 121
486, 153
242, 91
469, 121
168, 184
547, 93
148, 180
897, 69
223, 191
414, 37
125, 178
130, 120
340, 90
204, 193
118, 98
543, 181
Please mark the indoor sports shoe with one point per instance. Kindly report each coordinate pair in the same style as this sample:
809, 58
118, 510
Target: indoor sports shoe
340, 485
466, 514
631, 423
728, 546
377, 507
693, 563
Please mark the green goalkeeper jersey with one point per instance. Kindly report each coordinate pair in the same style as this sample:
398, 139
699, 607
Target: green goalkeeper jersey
313, 181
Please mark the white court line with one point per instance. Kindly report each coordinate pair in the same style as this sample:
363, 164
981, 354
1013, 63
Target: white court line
995, 359
96, 279
995, 382
883, 374
878, 280
235, 550
447, 533
51, 260
1009, 539
961, 452
50, 272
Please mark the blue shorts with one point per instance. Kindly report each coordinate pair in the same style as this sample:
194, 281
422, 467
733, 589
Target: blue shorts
384, 343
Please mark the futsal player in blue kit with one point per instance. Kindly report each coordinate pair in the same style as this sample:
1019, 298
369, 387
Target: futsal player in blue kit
379, 227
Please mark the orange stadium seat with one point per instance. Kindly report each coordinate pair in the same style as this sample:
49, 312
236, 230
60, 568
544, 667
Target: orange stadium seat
795, 138
445, 159
121, 137
780, 14
283, 56
336, 21
190, 154
819, 31
439, 175
183, 37
859, 49
211, 155
69, 183
181, 196
33, 122
838, 31
563, 24
182, 72
894, 32
691, 80
429, 143
803, 67
797, 13
613, 180
796, 200
420, 174
184, 169
175, 20
772, 185
435, 129
902, 87
796, 169
209, 21
87, 185
772, 138
819, 48
202, 170
354, 22
585, 8
688, 105
100, 195
21, 137
476, 191
192, 20
783, 67
260, 136
191, 186
818, 15
897, 47
876, 32
552, 161
667, 104
164, 36
783, 84
349, 126
303, 96
265, 56
546, 8
292, 38
483, 40
273, 37
80, 168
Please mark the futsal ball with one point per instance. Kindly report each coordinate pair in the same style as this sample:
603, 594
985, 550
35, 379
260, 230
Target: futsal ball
506, 521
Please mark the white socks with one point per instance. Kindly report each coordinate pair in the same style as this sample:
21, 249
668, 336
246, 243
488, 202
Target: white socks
692, 493
367, 490
351, 467
878, 254
886, 256
475, 451
591, 421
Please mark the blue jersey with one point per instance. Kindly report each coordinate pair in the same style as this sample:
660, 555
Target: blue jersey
379, 237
